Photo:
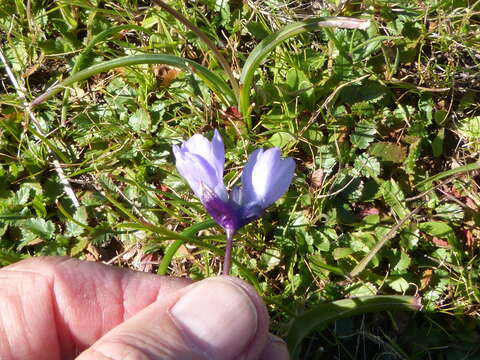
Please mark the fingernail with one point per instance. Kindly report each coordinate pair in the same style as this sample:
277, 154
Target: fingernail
217, 317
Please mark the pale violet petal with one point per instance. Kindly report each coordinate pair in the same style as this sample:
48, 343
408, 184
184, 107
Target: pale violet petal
248, 193
266, 177
196, 170
264, 173
199, 145
236, 195
281, 180
218, 152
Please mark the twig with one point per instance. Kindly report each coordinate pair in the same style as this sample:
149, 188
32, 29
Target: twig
393, 231
433, 188
56, 164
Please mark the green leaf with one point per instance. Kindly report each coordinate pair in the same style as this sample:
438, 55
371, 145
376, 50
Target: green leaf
73, 228
8, 257
22, 195
40, 227
439, 229
411, 162
398, 284
362, 241
140, 120
450, 211
367, 166
35, 228
363, 134
370, 92
470, 128
361, 289
281, 139
403, 262
342, 252
437, 143
394, 197
388, 151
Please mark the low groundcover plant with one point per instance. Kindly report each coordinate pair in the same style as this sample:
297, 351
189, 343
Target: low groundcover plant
265, 178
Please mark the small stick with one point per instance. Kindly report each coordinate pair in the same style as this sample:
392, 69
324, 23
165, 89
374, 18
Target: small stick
393, 231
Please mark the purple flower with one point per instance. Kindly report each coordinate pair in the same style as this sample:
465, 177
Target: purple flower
265, 178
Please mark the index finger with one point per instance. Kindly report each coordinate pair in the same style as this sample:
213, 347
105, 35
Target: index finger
54, 307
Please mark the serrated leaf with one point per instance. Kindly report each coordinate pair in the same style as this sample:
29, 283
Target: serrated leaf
323, 238
403, 262
450, 211
400, 285
470, 128
371, 91
361, 289
363, 134
362, 241
22, 195
72, 228
140, 120
367, 165
394, 197
326, 158
388, 151
39, 227
411, 161
281, 139
409, 236
79, 246
271, 258
107, 183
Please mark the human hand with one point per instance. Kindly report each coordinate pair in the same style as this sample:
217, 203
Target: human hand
58, 308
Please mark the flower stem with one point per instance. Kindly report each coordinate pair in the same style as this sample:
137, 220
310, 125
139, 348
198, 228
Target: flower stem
227, 260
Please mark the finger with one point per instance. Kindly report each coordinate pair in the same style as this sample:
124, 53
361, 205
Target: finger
54, 307
275, 349
217, 318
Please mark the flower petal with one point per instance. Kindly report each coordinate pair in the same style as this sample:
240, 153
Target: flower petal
225, 213
218, 150
248, 193
266, 177
196, 170
200, 161
282, 178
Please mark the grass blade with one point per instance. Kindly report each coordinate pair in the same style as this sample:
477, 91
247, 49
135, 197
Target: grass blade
173, 248
322, 315
216, 84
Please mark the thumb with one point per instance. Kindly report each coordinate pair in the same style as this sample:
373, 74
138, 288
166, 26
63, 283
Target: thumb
217, 318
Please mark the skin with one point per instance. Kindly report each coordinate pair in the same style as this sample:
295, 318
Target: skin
61, 308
